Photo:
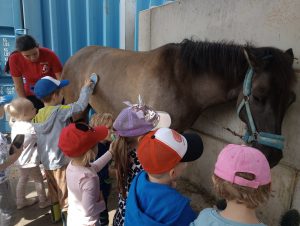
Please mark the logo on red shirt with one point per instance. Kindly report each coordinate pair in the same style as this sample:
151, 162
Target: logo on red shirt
45, 67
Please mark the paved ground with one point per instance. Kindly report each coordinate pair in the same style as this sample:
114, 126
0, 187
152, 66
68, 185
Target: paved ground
34, 216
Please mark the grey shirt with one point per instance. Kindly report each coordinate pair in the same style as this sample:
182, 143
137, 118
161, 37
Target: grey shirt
48, 124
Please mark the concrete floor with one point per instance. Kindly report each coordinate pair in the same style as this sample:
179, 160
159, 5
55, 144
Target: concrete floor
34, 216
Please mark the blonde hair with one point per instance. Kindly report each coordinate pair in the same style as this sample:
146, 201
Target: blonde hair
251, 197
102, 119
18, 108
85, 158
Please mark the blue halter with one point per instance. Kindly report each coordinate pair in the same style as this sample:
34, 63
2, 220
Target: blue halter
267, 139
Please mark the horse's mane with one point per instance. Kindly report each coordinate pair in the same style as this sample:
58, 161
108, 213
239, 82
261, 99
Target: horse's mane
228, 59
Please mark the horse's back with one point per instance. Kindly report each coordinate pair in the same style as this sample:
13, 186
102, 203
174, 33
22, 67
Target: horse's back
123, 75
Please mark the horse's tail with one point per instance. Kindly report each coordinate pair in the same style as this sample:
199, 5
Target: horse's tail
290, 218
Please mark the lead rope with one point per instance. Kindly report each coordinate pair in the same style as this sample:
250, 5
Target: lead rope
219, 125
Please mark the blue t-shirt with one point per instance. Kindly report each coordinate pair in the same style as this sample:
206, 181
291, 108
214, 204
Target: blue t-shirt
210, 217
153, 204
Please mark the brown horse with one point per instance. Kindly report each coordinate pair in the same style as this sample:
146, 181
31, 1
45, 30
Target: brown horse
188, 77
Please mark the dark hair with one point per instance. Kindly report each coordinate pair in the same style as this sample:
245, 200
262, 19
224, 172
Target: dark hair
48, 98
25, 42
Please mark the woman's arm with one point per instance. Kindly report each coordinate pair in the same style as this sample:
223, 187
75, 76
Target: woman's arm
58, 75
19, 86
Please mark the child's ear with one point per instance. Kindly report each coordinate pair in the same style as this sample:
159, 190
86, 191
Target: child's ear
172, 174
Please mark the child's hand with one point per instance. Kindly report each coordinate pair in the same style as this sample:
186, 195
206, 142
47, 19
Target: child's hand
112, 148
88, 82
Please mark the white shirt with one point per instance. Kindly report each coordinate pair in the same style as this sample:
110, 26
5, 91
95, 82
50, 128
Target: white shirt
29, 157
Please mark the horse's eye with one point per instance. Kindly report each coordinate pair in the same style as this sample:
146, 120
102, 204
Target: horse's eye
258, 99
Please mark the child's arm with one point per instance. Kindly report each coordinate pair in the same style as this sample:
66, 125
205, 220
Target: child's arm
102, 161
81, 103
12, 158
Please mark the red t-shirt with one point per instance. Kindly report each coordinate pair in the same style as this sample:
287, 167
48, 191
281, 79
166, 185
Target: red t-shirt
47, 64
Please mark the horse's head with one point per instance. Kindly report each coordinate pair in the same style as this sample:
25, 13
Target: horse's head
267, 93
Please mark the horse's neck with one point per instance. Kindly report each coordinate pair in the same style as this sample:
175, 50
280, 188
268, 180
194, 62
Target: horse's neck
215, 72
210, 88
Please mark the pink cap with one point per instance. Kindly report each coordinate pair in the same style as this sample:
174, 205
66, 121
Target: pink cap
243, 159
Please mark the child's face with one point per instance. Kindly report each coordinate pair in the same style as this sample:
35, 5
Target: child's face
179, 169
58, 98
31, 112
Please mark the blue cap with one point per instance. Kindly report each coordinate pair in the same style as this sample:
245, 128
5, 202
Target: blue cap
47, 85
6, 99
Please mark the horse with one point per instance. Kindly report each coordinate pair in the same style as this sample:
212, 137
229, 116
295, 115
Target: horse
186, 78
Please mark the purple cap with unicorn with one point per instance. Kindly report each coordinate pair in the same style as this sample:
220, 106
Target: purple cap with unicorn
139, 119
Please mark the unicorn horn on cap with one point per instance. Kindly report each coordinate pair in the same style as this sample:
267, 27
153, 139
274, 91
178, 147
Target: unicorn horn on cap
140, 104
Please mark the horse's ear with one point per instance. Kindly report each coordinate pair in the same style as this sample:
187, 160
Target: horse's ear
289, 53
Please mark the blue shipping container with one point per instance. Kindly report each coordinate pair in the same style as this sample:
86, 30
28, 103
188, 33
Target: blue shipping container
63, 26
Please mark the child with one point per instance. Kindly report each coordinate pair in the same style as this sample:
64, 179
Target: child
105, 119
54, 117
130, 124
152, 198
78, 141
23, 111
242, 176
7, 204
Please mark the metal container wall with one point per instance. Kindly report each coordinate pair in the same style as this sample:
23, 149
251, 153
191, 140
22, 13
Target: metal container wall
67, 26
10, 19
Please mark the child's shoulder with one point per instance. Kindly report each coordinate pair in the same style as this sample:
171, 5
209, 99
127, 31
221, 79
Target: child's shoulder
208, 212
44, 113
64, 107
208, 216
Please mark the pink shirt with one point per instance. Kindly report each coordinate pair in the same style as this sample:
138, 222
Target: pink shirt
84, 192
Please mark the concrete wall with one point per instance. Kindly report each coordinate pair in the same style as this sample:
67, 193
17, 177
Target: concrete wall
262, 22
130, 7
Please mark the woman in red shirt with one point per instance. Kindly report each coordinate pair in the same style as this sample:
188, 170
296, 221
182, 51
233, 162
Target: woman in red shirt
28, 64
